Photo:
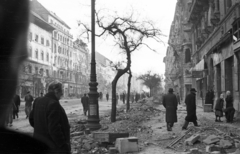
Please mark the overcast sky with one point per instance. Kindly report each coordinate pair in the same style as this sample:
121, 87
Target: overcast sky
159, 11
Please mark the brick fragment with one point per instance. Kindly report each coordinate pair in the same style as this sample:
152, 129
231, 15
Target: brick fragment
191, 140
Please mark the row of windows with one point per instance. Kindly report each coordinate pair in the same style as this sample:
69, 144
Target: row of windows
36, 39
62, 38
40, 71
36, 54
61, 50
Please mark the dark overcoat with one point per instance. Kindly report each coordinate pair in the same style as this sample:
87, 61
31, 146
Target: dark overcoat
170, 103
219, 104
50, 123
85, 102
229, 101
190, 102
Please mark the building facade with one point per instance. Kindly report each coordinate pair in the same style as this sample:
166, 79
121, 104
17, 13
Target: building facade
210, 46
51, 56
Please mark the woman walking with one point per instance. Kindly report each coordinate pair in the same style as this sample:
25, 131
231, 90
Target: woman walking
219, 108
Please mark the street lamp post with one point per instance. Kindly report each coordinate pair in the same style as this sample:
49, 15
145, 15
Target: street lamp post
93, 112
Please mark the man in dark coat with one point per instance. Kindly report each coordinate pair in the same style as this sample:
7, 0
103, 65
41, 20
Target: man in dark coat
107, 96
85, 103
190, 102
50, 122
16, 101
28, 105
123, 98
170, 103
229, 111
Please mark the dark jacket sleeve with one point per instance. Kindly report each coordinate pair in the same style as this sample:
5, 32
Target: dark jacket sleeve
54, 124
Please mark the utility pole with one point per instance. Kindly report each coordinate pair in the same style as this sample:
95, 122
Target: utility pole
93, 112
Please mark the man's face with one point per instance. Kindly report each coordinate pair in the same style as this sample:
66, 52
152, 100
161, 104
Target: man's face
59, 94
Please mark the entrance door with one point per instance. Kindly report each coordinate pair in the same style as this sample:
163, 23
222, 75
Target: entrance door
229, 75
218, 67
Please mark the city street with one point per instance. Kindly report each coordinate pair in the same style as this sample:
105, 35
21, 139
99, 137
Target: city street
73, 108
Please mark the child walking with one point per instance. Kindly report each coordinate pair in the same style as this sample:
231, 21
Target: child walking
219, 108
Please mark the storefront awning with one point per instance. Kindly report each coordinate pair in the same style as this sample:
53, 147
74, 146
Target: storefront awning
199, 66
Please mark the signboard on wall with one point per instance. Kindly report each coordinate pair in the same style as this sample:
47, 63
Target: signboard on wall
197, 74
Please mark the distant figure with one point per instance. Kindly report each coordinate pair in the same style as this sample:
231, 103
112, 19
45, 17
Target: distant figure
178, 99
132, 97
107, 96
11, 109
136, 97
100, 95
229, 111
123, 98
50, 121
28, 104
170, 103
219, 108
85, 103
17, 102
190, 102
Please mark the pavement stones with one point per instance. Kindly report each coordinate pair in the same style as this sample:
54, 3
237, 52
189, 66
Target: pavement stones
225, 144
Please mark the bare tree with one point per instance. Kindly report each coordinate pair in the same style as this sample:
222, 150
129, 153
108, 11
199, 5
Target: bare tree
129, 35
150, 80
129, 87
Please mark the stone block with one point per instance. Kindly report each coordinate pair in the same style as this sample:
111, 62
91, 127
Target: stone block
212, 148
225, 144
191, 140
112, 150
76, 134
108, 137
195, 151
87, 131
125, 145
211, 139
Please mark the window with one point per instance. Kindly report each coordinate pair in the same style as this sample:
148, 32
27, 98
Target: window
55, 48
47, 57
36, 53
236, 30
30, 52
42, 56
29, 68
59, 50
30, 36
187, 56
36, 70
42, 40
47, 43
36, 38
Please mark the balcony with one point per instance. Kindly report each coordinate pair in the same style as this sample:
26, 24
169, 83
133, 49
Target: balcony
195, 9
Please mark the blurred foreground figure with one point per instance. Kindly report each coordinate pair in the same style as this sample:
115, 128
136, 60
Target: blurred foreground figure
14, 21
49, 120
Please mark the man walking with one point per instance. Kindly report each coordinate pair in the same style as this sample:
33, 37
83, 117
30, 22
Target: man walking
85, 102
50, 122
16, 101
229, 111
107, 96
190, 102
170, 103
28, 104
123, 98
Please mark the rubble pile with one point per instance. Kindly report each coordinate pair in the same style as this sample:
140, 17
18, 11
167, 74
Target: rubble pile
126, 122
208, 140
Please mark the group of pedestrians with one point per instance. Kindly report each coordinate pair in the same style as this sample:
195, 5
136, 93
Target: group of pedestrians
170, 102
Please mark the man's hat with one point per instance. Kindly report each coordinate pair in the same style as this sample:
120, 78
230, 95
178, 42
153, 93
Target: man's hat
193, 89
170, 90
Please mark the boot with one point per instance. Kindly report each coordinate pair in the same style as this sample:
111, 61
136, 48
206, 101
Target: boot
169, 128
185, 125
196, 124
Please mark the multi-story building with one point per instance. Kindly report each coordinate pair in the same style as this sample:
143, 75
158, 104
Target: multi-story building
37, 70
209, 31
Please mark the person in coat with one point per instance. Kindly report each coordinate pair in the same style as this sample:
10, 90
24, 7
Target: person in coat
190, 102
49, 120
16, 101
85, 103
219, 108
28, 105
123, 97
229, 111
107, 96
170, 103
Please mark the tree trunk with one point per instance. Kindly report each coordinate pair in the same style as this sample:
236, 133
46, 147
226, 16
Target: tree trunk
129, 87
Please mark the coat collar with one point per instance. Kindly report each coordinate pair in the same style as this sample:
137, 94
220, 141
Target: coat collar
51, 95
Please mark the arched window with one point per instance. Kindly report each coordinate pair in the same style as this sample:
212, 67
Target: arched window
42, 56
36, 53
187, 55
